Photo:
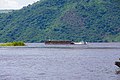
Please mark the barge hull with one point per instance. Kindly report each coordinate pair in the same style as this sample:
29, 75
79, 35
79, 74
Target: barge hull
59, 42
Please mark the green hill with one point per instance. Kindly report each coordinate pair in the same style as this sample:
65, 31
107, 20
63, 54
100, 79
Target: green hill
76, 20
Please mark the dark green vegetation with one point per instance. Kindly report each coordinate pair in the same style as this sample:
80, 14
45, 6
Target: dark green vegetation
76, 20
19, 43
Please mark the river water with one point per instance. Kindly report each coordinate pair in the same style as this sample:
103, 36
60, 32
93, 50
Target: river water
36, 61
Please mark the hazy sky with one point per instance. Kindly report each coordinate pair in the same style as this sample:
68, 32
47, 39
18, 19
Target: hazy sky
15, 4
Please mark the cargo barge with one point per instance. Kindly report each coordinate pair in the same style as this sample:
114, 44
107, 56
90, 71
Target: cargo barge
65, 43
59, 42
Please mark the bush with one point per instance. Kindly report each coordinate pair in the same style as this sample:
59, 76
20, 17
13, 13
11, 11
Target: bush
19, 43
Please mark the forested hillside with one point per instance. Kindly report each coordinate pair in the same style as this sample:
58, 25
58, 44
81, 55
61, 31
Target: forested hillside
76, 20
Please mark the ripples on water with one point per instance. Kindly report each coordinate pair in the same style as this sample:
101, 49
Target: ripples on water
94, 61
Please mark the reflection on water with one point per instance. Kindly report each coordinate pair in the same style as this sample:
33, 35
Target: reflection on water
42, 62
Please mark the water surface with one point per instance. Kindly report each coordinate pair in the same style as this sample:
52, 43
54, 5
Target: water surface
40, 62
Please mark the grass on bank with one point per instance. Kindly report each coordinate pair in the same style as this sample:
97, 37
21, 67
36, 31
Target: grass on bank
19, 43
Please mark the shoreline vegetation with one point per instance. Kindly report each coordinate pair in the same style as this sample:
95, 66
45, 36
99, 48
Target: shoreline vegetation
19, 43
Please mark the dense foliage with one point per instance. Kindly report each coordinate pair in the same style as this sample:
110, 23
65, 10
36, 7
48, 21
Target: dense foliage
76, 20
19, 43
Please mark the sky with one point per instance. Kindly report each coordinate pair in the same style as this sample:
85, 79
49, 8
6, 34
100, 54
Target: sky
15, 4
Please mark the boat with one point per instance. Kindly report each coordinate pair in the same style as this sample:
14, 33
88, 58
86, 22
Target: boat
82, 42
65, 42
59, 42
117, 64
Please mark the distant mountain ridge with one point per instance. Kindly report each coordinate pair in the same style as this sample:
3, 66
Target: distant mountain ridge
75, 20
5, 11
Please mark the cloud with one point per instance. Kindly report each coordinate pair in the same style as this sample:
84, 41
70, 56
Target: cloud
15, 4
9, 4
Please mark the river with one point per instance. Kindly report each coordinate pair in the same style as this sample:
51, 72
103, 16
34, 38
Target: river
36, 61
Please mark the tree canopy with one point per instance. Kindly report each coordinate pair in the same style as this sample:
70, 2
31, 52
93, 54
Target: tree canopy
75, 20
